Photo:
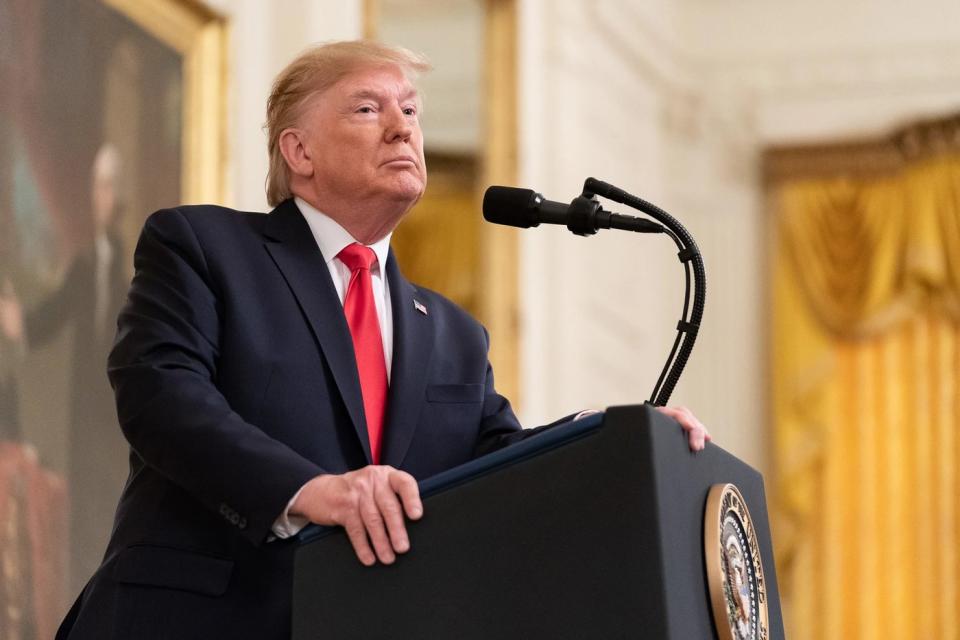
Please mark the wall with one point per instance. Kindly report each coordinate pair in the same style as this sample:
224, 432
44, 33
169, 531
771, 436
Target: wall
609, 93
674, 101
823, 69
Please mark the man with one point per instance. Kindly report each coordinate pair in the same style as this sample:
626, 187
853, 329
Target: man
277, 370
87, 300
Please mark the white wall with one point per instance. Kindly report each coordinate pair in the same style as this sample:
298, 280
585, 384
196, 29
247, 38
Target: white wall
674, 101
591, 107
822, 69
608, 93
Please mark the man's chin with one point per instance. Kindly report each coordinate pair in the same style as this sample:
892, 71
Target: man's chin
407, 191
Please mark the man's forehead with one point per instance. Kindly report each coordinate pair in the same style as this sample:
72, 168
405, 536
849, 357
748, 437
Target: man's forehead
376, 82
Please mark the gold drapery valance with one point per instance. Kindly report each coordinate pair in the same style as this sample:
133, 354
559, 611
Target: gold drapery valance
865, 158
865, 394
869, 251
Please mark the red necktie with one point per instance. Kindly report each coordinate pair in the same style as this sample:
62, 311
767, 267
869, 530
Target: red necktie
361, 312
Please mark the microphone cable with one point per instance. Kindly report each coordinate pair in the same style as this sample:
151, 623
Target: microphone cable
689, 325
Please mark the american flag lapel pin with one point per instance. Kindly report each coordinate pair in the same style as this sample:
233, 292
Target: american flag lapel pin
419, 306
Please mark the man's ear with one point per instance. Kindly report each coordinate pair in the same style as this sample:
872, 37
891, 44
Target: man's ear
294, 149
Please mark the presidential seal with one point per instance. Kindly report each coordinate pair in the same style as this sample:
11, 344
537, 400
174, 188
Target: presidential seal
734, 570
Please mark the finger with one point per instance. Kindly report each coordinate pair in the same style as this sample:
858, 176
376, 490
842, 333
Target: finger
702, 438
696, 440
702, 435
405, 485
677, 413
357, 534
682, 415
693, 428
373, 522
392, 513
697, 435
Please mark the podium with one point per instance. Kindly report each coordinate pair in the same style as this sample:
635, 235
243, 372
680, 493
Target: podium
591, 529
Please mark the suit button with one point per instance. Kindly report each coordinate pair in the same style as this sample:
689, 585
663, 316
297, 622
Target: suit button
224, 510
243, 523
235, 518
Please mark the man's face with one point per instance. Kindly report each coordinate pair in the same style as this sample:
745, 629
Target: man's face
364, 139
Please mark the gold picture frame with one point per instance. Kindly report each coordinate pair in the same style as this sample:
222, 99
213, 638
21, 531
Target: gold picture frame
200, 35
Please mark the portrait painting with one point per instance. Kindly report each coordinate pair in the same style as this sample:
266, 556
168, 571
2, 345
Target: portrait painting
93, 138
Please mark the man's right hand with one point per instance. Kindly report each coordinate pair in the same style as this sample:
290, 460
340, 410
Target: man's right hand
369, 504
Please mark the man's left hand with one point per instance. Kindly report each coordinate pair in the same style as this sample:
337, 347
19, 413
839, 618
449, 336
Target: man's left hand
697, 434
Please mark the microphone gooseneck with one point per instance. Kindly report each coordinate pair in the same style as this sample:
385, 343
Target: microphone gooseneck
584, 216
689, 255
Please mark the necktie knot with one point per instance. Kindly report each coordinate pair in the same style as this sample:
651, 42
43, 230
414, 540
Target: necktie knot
357, 256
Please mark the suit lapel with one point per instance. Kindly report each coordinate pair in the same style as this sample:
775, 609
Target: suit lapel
412, 348
294, 250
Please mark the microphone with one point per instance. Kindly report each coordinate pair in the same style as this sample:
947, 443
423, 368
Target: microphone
526, 208
584, 216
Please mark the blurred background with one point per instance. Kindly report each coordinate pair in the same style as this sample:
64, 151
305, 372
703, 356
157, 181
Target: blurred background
812, 149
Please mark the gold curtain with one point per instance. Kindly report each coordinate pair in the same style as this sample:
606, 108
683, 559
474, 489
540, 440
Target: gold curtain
866, 391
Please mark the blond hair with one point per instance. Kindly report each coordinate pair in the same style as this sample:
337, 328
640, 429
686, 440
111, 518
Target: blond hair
313, 71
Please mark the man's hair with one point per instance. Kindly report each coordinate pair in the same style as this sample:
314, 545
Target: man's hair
313, 71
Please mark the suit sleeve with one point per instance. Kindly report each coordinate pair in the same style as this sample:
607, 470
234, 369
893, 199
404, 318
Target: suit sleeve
499, 426
164, 370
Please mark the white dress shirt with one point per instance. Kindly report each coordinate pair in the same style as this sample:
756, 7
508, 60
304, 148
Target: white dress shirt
331, 239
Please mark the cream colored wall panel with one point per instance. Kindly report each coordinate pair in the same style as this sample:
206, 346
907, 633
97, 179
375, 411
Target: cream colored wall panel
598, 322
674, 101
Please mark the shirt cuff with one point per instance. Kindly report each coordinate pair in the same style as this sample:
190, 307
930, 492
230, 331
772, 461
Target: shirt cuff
585, 413
287, 526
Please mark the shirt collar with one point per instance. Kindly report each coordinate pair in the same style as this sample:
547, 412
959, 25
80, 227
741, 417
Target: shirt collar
332, 238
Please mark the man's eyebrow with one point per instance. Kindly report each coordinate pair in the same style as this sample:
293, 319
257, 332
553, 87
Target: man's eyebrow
373, 93
365, 93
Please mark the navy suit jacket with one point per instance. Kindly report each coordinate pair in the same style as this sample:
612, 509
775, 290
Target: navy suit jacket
235, 383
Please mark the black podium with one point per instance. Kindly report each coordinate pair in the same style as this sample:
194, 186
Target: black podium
593, 529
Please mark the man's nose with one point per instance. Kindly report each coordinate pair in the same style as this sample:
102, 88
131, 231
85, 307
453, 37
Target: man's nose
398, 125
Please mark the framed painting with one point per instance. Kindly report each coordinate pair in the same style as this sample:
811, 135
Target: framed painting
111, 109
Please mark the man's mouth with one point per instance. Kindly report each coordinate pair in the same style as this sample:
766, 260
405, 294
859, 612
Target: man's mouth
402, 160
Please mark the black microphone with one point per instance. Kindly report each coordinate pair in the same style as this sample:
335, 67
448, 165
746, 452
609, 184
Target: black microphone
583, 216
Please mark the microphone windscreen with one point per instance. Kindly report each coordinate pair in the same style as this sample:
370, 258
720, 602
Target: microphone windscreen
511, 206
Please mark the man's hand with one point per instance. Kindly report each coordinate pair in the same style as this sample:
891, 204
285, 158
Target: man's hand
696, 432
11, 313
369, 504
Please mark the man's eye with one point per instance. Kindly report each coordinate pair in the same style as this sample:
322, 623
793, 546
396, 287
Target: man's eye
410, 111
367, 109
